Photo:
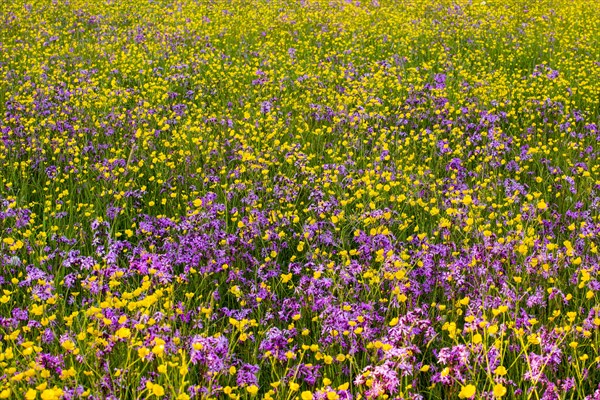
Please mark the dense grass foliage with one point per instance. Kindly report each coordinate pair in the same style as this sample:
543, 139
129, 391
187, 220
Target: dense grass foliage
299, 199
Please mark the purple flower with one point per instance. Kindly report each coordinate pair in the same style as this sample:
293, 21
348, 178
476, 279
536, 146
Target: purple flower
247, 375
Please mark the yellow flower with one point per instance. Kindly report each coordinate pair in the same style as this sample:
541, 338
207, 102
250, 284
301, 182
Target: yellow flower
501, 370
332, 396
31, 394
51, 394
541, 205
466, 392
123, 333
158, 390
143, 352
306, 395
159, 349
252, 389
68, 345
499, 390
198, 346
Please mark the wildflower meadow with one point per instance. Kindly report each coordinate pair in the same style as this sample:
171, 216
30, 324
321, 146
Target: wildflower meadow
299, 199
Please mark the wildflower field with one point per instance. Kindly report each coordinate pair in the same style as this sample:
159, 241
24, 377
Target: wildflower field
299, 199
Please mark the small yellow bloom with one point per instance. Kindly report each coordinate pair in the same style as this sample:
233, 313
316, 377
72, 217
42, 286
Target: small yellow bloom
332, 396
159, 350
158, 390
31, 394
68, 345
50, 394
252, 389
501, 370
466, 392
123, 333
499, 390
143, 352
306, 395
197, 346
541, 205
